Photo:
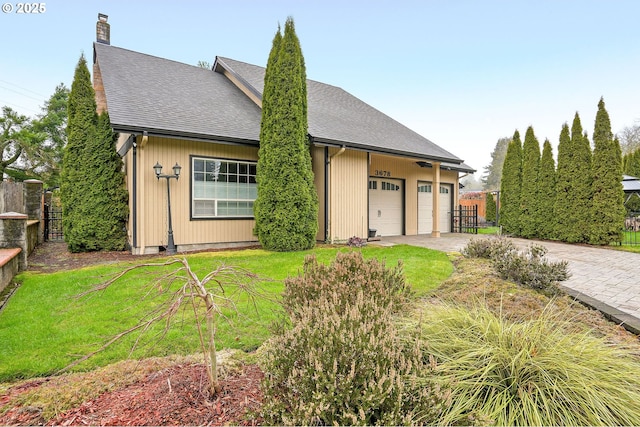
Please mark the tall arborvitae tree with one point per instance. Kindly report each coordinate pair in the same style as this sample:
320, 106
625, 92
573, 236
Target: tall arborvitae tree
81, 127
286, 208
93, 192
106, 207
563, 202
631, 167
511, 187
573, 195
546, 190
607, 209
631, 164
529, 199
582, 183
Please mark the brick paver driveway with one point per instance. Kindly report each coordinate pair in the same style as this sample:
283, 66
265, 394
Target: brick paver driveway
607, 276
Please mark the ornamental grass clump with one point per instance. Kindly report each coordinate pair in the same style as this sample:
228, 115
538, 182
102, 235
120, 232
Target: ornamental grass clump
530, 372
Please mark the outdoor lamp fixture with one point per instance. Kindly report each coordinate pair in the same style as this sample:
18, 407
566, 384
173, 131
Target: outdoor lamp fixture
171, 246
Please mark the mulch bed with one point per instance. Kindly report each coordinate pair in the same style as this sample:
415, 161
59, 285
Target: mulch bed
173, 396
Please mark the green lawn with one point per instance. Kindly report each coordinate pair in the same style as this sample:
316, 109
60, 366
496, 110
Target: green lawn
489, 230
44, 327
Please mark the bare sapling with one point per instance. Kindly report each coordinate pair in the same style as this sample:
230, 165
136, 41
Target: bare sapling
208, 297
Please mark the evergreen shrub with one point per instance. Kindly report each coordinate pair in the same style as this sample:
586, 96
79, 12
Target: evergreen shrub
528, 268
488, 248
342, 361
348, 273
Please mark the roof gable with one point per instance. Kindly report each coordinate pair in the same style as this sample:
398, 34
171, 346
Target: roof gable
161, 96
337, 117
155, 94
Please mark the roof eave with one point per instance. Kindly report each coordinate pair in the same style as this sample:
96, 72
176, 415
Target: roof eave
167, 133
369, 148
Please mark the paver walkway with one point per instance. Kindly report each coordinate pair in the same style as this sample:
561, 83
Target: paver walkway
606, 279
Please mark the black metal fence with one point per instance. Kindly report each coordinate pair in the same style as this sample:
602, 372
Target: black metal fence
632, 229
53, 223
465, 219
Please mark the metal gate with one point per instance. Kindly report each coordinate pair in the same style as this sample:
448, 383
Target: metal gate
465, 219
53, 223
632, 229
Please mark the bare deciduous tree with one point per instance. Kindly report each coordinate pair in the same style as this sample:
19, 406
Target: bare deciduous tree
207, 297
629, 138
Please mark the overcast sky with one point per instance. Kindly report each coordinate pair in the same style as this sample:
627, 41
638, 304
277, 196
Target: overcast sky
460, 73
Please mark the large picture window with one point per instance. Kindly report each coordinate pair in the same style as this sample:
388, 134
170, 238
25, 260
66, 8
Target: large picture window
223, 188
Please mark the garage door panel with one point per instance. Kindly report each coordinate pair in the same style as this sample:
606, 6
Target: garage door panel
445, 208
425, 208
385, 206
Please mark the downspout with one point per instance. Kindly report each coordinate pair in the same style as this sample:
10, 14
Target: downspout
134, 206
331, 157
326, 194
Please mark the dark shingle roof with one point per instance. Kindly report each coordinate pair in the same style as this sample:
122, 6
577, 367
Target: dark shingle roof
149, 93
337, 117
158, 95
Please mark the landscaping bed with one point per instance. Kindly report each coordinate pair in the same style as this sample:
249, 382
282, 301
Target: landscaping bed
173, 391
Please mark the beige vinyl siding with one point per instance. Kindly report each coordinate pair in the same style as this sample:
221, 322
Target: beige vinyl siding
152, 196
408, 169
348, 183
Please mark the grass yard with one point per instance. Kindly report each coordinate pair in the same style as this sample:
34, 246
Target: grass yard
44, 327
489, 230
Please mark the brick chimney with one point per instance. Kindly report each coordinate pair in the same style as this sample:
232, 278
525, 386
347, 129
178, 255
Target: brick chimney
102, 36
103, 30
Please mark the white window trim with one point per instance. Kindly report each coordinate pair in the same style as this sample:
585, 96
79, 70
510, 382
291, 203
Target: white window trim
215, 214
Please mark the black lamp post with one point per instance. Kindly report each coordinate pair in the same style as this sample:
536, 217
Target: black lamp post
171, 246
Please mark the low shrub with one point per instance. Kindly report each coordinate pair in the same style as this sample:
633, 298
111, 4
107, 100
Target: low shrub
488, 248
530, 372
346, 275
345, 367
356, 242
530, 268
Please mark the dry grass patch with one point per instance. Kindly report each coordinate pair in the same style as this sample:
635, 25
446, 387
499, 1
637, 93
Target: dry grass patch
475, 283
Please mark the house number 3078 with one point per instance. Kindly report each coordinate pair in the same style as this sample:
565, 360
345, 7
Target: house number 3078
379, 172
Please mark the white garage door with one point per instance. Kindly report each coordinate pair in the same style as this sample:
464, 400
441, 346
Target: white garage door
385, 206
425, 208
446, 192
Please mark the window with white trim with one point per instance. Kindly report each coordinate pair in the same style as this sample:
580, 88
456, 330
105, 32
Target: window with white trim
223, 188
424, 188
444, 190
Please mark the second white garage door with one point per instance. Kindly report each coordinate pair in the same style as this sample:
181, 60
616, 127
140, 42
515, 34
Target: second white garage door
385, 206
446, 192
425, 208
